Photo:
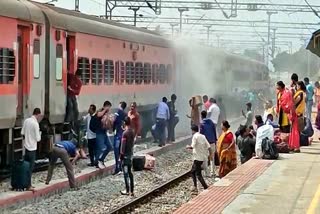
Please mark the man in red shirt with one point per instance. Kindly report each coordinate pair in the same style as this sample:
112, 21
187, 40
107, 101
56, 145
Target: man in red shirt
135, 119
73, 90
206, 102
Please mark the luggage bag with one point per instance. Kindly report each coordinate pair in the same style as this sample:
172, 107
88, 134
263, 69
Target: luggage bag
20, 175
138, 163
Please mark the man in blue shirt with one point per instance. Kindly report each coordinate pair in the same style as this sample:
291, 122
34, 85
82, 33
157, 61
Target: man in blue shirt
208, 129
163, 115
118, 129
64, 150
309, 100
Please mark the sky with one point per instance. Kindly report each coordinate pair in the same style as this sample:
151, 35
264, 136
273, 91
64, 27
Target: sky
235, 38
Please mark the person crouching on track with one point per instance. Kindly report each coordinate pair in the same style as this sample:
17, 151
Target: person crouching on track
208, 129
117, 127
64, 150
201, 149
126, 154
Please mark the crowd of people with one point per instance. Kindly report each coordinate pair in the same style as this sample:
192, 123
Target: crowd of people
288, 125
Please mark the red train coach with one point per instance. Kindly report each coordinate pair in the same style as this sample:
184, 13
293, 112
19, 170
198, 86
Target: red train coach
41, 43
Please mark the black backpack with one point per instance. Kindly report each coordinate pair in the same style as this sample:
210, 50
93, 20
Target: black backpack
269, 149
95, 123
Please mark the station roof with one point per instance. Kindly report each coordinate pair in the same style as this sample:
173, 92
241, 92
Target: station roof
311, 45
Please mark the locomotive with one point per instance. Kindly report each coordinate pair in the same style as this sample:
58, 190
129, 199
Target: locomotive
41, 43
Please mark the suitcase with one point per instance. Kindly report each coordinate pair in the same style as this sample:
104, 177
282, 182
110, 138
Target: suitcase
20, 175
149, 162
138, 163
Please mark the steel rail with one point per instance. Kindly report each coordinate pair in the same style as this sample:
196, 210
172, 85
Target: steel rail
148, 196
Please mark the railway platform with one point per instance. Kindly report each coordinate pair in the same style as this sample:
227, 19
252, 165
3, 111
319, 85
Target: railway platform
288, 185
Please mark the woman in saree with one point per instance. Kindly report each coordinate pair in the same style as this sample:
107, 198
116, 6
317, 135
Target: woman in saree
317, 92
226, 150
297, 116
284, 122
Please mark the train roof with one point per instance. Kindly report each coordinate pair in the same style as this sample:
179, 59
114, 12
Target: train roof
78, 22
74, 21
21, 9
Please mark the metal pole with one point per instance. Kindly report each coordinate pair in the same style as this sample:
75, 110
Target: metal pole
135, 9
181, 21
273, 43
208, 32
263, 53
269, 13
172, 28
135, 18
76, 6
181, 10
106, 9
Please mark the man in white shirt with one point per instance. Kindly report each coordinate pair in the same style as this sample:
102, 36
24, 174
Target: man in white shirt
31, 133
201, 151
265, 131
90, 135
213, 112
163, 115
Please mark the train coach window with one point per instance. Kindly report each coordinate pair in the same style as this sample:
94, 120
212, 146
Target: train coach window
59, 55
129, 72
147, 73
154, 73
162, 74
121, 72
84, 67
36, 59
108, 72
96, 71
138, 73
7, 66
168, 73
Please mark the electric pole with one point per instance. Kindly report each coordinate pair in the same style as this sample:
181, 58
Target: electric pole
76, 5
218, 40
181, 10
107, 10
135, 10
172, 27
273, 47
269, 13
208, 32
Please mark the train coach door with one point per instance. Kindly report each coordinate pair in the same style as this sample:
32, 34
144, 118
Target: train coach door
71, 46
23, 69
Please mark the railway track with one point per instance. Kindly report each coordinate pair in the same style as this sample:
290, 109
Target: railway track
148, 196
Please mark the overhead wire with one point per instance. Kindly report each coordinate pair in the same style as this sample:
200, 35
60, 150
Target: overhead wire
312, 9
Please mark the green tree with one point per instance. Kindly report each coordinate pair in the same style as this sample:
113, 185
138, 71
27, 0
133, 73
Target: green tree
302, 62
